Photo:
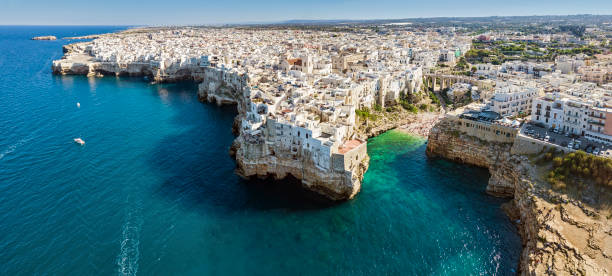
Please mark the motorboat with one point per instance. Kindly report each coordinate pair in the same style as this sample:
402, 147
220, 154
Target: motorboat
79, 141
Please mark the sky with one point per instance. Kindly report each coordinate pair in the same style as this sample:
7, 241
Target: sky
187, 12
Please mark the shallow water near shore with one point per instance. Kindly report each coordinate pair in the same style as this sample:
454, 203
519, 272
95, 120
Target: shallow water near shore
153, 190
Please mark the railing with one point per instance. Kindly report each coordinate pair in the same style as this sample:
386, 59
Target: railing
598, 117
596, 123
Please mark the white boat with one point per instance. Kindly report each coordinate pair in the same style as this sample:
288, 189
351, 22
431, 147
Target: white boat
78, 105
79, 141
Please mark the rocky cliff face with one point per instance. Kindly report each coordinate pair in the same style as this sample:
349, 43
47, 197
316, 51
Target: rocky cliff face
561, 236
255, 160
254, 156
448, 143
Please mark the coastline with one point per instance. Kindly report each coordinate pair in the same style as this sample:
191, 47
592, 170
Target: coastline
420, 124
559, 233
338, 179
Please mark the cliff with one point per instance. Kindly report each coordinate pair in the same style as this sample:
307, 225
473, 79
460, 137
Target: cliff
416, 124
560, 235
256, 155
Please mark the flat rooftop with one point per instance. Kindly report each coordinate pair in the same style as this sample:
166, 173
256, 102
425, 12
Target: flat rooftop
348, 146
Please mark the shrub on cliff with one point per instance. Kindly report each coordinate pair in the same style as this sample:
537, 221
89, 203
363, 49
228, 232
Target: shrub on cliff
577, 166
364, 113
378, 107
557, 161
434, 99
410, 107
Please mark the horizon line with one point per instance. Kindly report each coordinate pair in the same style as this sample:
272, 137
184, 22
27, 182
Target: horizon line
288, 21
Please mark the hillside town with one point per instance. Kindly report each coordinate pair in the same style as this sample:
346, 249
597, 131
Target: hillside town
307, 94
526, 103
300, 93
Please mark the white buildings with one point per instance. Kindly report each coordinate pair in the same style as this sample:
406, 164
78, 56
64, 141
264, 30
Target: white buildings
583, 110
569, 65
302, 87
459, 91
512, 99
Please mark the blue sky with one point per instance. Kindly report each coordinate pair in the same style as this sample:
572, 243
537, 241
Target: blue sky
180, 12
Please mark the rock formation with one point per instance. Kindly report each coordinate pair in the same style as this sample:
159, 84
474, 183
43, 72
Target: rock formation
48, 37
561, 236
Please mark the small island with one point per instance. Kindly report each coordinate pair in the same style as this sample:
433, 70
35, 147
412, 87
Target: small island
46, 37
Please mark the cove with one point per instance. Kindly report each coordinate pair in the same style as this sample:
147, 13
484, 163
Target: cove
153, 191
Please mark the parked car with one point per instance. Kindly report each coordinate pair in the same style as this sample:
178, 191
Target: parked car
576, 145
570, 145
547, 138
596, 151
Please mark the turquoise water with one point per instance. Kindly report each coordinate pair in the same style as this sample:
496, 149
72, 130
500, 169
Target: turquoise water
153, 190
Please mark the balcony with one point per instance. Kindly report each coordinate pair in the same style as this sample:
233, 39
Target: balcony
596, 123
592, 115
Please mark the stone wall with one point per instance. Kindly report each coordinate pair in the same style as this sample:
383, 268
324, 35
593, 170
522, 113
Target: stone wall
484, 130
527, 145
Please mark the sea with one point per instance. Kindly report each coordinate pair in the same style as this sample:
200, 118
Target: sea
153, 190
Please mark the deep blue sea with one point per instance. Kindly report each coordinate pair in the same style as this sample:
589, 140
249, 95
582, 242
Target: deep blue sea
153, 190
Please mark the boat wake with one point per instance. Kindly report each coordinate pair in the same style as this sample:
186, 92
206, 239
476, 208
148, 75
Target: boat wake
127, 260
10, 149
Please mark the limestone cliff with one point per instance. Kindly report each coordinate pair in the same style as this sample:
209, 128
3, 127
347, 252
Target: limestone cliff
561, 236
451, 144
416, 124
255, 157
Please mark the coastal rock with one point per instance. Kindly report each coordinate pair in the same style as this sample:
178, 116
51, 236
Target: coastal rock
47, 37
561, 236
445, 141
416, 124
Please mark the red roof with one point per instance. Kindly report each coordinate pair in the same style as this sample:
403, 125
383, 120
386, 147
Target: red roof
348, 146
295, 61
